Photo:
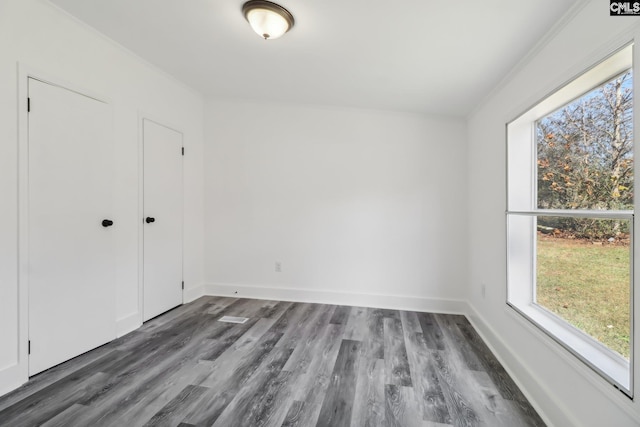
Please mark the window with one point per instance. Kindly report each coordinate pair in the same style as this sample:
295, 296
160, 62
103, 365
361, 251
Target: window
570, 217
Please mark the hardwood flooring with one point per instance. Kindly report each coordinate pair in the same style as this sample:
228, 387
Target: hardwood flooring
291, 364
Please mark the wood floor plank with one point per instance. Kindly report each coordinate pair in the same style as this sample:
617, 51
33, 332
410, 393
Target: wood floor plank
220, 329
397, 369
390, 314
338, 401
179, 408
431, 331
401, 408
148, 354
219, 305
157, 336
248, 402
259, 402
492, 408
308, 346
273, 309
314, 382
272, 408
302, 321
128, 389
217, 301
66, 385
248, 364
486, 400
521, 414
197, 371
125, 392
59, 375
157, 398
246, 308
426, 384
202, 304
449, 327
291, 319
214, 402
476, 388
318, 355
291, 364
38, 410
308, 414
375, 333
225, 337
178, 316
293, 414
431, 396
508, 389
410, 323
356, 328
72, 416
231, 377
341, 315
222, 369
369, 399
311, 387
227, 361
462, 413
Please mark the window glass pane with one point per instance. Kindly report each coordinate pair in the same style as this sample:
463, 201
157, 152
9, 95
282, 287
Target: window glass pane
585, 150
586, 281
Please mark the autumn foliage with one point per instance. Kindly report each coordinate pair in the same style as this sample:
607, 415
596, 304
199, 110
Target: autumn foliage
585, 159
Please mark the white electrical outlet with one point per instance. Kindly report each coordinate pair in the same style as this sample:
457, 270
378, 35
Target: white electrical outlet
278, 267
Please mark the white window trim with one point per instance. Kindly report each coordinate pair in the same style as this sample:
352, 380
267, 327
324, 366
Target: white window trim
607, 363
521, 239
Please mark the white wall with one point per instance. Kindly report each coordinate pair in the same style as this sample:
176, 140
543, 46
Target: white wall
40, 37
566, 391
355, 204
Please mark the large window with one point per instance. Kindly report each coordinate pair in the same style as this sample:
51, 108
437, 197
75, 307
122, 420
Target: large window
570, 217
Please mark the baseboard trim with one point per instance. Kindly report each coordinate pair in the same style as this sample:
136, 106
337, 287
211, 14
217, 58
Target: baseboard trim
193, 293
395, 302
11, 377
128, 324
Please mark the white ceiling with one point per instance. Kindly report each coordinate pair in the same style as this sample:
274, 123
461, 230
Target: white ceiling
411, 55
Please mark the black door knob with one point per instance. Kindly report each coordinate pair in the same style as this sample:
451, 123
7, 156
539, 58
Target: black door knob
150, 219
107, 223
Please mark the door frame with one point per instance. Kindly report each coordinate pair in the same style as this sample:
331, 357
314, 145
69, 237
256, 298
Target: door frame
26, 72
142, 116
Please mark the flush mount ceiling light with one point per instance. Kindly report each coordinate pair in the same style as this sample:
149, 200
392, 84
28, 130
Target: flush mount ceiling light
267, 19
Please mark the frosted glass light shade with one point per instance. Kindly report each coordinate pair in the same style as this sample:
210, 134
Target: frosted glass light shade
267, 19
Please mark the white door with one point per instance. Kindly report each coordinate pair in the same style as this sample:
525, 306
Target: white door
71, 254
162, 219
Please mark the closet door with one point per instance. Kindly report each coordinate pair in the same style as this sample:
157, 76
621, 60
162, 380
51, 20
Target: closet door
162, 220
70, 225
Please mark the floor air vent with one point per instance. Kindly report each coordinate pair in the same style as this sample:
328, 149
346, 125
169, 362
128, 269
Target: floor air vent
231, 319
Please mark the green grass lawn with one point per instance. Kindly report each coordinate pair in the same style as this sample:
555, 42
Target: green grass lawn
587, 285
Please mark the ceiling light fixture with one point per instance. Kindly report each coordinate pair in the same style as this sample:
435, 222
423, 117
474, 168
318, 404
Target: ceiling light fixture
267, 19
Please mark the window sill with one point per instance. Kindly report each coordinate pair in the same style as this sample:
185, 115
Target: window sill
612, 366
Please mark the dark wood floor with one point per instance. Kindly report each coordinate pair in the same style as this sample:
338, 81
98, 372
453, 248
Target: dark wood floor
291, 364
